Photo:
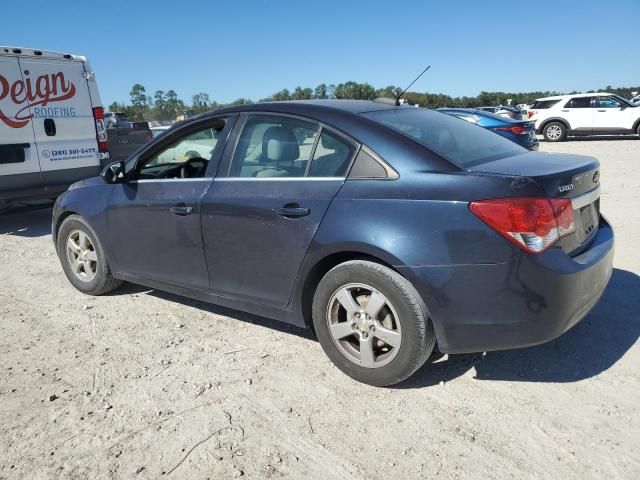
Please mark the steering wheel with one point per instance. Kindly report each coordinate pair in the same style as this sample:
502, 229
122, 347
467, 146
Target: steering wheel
192, 168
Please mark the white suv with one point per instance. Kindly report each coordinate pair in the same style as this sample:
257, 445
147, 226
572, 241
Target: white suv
584, 114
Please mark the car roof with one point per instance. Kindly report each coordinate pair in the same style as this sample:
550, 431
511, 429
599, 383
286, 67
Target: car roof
574, 95
299, 106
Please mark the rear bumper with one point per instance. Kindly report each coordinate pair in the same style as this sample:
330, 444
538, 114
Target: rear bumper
525, 301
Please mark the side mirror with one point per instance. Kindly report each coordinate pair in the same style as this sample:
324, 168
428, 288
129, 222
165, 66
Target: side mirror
623, 106
114, 172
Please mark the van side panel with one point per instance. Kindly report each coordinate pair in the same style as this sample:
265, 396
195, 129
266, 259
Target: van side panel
62, 120
19, 167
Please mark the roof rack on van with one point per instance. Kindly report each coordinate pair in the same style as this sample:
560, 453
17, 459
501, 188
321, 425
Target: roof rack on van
32, 52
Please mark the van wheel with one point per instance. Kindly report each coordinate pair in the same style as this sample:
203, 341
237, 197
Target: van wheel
372, 323
554, 132
82, 257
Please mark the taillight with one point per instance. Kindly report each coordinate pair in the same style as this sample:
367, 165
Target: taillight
101, 130
533, 224
531, 113
516, 129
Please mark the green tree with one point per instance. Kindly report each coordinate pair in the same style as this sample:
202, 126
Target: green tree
200, 102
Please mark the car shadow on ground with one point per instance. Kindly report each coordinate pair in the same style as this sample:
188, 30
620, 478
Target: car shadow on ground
589, 348
588, 138
226, 312
28, 221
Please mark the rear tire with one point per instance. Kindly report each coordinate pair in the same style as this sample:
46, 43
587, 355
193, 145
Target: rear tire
554, 132
82, 257
381, 338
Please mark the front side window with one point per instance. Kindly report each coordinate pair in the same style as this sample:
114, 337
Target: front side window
579, 102
607, 102
272, 146
459, 142
187, 157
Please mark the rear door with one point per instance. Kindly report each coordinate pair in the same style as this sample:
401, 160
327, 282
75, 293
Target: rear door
19, 167
261, 214
579, 111
62, 119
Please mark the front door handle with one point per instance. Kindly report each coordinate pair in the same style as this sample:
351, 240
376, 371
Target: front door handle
602, 110
293, 210
49, 127
181, 210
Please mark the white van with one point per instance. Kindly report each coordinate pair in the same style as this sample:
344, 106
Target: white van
52, 131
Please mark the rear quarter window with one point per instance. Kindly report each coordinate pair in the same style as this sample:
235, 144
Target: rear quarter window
543, 104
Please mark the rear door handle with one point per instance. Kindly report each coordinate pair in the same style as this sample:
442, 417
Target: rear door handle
602, 110
293, 210
181, 210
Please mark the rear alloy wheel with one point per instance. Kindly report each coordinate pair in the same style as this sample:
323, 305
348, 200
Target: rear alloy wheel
554, 132
372, 323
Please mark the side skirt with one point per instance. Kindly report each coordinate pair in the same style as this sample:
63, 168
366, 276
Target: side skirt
286, 316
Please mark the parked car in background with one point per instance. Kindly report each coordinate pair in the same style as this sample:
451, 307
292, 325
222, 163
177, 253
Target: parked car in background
397, 228
158, 129
125, 140
520, 131
115, 119
503, 111
52, 130
584, 114
636, 100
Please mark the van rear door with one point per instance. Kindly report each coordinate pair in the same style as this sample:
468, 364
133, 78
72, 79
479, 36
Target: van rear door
19, 168
62, 118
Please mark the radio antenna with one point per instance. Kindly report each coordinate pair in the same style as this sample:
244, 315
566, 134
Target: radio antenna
409, 86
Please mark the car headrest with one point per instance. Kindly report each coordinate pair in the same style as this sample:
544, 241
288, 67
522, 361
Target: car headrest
330, 143
279, 145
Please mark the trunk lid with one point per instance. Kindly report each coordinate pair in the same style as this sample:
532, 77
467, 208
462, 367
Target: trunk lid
576, 177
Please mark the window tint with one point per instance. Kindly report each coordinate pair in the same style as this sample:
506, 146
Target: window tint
579, 102
187, 157
271, 146
462, 143
332, 156
607, 102
543, 104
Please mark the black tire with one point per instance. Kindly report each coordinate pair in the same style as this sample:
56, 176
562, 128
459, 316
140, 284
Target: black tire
555, 132
103, 281
417, 336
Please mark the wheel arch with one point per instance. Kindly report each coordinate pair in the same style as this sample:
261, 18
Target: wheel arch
319, 267
636, 126
555, 119
58, 222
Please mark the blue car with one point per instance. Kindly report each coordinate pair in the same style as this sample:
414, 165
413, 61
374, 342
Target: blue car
520, 131
384, 229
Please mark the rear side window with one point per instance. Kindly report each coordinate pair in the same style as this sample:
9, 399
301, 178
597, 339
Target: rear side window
332, 156
543, 104
462, 143
579, 102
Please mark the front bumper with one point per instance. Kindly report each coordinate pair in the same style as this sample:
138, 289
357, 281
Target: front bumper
528, 300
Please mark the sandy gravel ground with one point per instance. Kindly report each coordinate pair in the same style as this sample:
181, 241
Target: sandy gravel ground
143, 384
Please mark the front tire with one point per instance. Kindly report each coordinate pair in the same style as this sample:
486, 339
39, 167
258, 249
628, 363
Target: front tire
554, 132
82, 257
372, 323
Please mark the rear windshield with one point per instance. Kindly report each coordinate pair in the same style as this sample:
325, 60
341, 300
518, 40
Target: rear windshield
544, 104
457, 140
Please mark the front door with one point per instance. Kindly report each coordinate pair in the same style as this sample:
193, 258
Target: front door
154, 218
19, 167
261, 216
611, 115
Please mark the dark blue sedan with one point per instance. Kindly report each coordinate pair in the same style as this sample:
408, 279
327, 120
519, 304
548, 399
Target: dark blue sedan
383, 229
520, 131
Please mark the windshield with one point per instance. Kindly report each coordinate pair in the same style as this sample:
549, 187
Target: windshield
459, 141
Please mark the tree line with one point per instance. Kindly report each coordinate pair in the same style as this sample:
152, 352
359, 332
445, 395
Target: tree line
166, 105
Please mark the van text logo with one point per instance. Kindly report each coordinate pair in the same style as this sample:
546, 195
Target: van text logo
30, 92
565, 188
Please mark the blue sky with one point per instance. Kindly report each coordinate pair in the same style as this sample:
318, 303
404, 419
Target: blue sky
254, 48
